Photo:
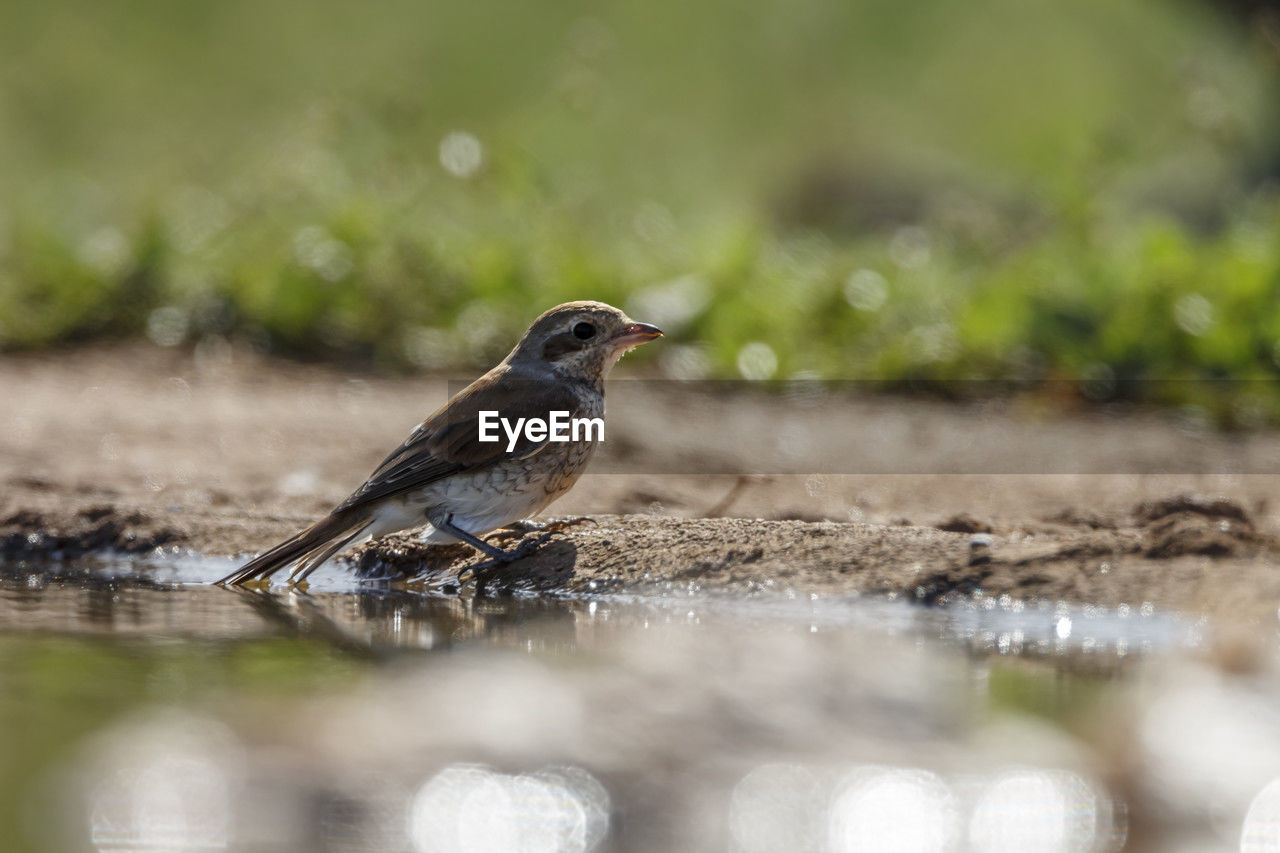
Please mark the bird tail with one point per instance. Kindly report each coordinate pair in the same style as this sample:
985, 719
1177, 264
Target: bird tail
309, 548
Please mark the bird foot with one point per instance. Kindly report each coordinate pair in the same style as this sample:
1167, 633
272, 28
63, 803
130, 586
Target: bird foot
485, 570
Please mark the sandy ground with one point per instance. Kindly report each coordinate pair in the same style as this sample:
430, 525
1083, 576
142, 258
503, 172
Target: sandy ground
223, 452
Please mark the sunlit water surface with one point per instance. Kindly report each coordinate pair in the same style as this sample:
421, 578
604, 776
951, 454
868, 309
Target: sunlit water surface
145, 710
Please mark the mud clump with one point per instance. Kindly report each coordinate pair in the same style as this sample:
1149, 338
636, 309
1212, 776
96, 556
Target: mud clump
30, 534
1187, 525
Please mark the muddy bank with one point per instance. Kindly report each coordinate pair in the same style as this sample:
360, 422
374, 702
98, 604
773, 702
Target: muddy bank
134, 449
1183, 553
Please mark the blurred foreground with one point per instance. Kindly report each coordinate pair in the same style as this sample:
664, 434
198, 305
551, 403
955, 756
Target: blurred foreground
145, 716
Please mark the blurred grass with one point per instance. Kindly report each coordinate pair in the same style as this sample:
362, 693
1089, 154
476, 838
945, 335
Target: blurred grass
1004, 188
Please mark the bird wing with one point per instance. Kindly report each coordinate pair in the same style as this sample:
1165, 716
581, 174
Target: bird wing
448, 441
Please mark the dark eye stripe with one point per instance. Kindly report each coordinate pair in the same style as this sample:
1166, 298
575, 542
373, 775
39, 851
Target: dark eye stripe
561, 344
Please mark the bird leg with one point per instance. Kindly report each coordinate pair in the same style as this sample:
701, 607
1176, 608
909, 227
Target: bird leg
497, 557
486, 569
493, 552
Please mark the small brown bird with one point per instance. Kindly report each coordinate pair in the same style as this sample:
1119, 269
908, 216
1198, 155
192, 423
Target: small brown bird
459, 487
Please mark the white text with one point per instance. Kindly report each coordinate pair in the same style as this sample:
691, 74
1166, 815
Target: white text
559, 426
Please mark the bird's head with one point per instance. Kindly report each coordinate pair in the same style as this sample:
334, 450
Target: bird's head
581, 339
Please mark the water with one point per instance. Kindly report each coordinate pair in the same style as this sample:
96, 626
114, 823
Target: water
145, 710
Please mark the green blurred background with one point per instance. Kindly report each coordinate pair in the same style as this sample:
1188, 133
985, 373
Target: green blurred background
872, 189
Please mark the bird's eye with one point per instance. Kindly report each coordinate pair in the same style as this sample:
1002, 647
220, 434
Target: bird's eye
584, 331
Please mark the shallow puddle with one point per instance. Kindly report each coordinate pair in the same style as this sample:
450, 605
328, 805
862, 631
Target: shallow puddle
145, 710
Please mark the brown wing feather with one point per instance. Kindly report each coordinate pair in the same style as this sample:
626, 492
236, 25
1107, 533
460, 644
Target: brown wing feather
300, 545
448, 441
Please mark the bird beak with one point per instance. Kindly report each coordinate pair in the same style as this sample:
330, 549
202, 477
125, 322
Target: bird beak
637, 334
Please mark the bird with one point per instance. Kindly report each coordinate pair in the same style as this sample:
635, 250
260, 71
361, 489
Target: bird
455, 486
